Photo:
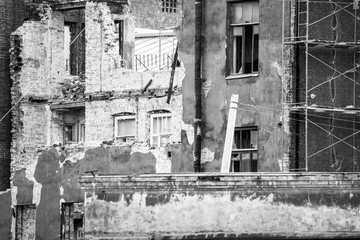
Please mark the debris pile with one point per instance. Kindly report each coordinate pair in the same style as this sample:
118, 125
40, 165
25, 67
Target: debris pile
74, 88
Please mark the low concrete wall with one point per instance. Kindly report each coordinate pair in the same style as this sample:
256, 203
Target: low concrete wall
205, 206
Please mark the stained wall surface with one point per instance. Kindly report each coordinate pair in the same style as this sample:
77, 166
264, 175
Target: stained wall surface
260, 95
209, 206
44, 169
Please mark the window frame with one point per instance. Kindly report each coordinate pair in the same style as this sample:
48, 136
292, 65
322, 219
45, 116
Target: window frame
252, 152
230, 73
116, 128
162, 134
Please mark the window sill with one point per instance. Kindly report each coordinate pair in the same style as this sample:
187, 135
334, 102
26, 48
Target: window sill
240, 76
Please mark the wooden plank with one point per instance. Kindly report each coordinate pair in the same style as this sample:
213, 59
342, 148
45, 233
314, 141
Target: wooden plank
229, 138
173, 67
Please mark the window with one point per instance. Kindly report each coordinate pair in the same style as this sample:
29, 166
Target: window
74, 126
169, 6
125, 127
119, 32
160, 130
243, 51
244, 153
74, 132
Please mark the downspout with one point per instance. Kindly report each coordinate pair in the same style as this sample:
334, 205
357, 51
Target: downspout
199, 8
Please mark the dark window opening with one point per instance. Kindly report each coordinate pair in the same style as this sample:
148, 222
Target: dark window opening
169, 6
244, 153
74, 48
119, 32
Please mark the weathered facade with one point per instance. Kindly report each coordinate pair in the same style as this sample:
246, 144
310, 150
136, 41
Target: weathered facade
80, 106
83, 109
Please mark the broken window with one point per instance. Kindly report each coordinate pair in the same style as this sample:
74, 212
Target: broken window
244, 153
160, 130
74, 126
25, 222
72, 221
169, 6
119, 33
125, 127
243, 51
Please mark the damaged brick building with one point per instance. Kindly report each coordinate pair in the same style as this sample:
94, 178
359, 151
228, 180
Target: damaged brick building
97, 93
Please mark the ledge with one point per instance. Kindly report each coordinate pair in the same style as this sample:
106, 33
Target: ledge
67, 106
82, 4
274, 182
240, 76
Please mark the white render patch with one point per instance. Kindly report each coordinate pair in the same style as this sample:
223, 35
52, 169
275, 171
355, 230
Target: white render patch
163, 163
73, 157
189, 129
61, 190
14, 191
207, 155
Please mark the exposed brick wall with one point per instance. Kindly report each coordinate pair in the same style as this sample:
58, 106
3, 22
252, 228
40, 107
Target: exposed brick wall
100, 123
25, 222
10, 18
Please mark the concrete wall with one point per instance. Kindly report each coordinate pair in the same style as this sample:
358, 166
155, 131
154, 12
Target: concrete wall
208, 206
149, 14
259, 96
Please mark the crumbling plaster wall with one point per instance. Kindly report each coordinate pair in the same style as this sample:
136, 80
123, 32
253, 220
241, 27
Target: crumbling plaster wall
100, 121
259, 96
45, 173
186, 205
155, 17
101, 48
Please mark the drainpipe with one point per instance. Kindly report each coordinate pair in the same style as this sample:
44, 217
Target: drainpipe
199, 8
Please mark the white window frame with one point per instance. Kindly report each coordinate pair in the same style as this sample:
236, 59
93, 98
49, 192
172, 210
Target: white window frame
124, 137
159, 135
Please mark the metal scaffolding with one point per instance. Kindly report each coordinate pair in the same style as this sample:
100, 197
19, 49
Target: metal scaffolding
299, 24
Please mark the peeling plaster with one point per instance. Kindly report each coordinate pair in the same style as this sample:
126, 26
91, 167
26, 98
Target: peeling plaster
211, 213
163, 163
189, 129
14, 191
